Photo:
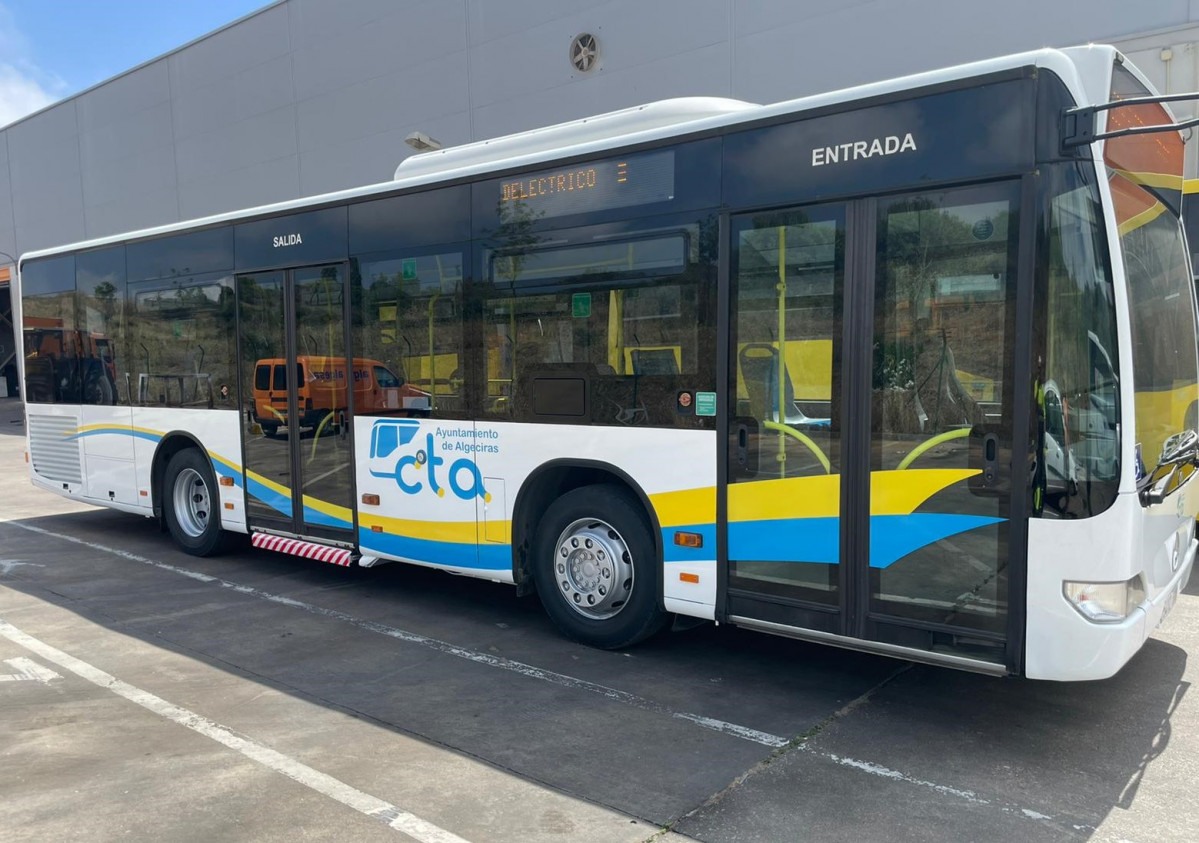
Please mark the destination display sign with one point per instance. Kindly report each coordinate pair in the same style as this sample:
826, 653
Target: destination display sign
595, 186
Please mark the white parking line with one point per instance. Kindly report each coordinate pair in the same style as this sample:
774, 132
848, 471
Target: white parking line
529, 671
336, 789
28, 671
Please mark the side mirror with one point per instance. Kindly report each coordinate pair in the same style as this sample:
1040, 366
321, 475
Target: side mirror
1180, 447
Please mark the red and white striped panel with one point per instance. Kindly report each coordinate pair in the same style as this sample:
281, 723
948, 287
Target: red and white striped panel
308, 550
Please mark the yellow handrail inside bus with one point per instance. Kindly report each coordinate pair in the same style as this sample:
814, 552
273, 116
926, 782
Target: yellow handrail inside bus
786, 430
957, 433
616, 330
782, 368
432, 356
316, 435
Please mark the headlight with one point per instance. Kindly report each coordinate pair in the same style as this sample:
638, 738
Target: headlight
1105, 602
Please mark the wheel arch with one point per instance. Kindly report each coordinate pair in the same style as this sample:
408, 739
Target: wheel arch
552, 479
171, 444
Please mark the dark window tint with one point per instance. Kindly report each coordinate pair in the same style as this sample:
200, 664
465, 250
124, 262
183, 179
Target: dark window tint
788, 276
418, 219
941, 396
103, 351
262, 378
48, 275
50, 331
407, 312
1160, 294
603, 325
1078, 469
181, 254
1190, 219
182, 340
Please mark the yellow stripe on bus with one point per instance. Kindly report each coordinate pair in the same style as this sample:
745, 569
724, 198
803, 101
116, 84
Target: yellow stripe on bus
891, 493
330, 509
686, 506
458, 532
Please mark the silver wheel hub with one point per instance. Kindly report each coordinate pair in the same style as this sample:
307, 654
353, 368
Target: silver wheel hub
192, 502
593, 568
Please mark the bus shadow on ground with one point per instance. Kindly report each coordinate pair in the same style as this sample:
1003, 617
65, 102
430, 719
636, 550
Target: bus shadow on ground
1192, 586
1072, 752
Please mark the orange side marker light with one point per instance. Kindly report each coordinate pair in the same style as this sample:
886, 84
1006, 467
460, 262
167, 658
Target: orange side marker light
688, 539
691, 578
226, 481
370, 500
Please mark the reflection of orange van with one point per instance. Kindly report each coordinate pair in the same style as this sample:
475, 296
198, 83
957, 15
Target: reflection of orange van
67, 366
321, 391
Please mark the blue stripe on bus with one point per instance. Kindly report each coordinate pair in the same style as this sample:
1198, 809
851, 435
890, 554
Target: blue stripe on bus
315, 516
672, 552
892, 537
267, 495
118, 431
485, 556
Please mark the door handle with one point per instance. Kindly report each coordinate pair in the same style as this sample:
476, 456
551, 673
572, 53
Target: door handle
742, 445
990, 459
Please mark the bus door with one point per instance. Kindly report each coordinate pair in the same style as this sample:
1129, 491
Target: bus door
870, 422
297, 394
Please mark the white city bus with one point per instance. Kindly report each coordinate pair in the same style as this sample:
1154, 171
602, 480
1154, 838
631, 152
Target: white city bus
908, 368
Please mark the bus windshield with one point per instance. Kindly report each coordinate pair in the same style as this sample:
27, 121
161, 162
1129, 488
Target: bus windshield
1145, 173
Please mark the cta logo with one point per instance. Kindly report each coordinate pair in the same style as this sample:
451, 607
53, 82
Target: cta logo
417, 466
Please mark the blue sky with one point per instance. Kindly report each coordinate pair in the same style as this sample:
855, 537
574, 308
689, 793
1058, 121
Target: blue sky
50, 49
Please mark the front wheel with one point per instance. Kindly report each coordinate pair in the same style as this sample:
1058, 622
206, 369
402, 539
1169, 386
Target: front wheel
595, 566
190, 502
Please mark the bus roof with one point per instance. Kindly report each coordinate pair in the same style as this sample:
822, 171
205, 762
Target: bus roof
639, 125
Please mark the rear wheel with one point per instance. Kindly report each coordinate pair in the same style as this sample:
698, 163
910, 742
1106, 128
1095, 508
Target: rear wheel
190, 504
596, 568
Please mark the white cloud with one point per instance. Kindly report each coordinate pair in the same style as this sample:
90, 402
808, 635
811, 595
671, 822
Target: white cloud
24, 87
20, 95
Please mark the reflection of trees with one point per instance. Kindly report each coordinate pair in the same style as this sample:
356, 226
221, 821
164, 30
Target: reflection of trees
924, 243
186, 329
319, 306
813, 261
514, 237
261, 324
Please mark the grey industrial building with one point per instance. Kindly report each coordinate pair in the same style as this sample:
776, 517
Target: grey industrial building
308, 96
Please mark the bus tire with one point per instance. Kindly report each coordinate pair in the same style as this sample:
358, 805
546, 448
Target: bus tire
191, 504
596, 568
